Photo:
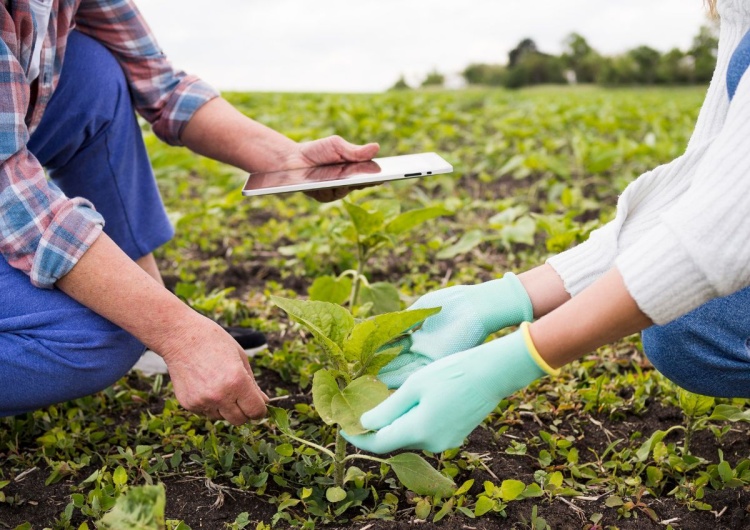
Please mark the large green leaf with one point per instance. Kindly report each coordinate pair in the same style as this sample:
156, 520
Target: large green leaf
357, 398
468, 241
383, 296
695, 405
366, 222
141, 508
331, 289
323, 389
328, 323
419, 476
369, 336
408, 220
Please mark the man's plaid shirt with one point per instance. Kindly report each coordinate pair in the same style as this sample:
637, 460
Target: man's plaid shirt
43, 232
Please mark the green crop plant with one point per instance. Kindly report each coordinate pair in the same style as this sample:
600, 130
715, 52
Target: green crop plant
375, 225
354, 352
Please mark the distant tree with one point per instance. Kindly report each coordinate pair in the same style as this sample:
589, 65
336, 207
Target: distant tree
581, 58
485, 74
401, 84
703, 50
647, 60
434, 79
618, 70
536, 69
525, 47
676, 68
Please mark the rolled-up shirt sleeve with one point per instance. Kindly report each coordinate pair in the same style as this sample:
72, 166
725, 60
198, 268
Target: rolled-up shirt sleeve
42, 232
167, 98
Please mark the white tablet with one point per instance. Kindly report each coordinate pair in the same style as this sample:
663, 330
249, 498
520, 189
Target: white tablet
350, 174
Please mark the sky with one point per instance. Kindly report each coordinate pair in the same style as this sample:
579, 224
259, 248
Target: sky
366, 45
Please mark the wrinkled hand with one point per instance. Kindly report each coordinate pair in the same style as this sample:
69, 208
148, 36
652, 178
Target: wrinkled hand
437, 407
469, 314
331, 150
211, 375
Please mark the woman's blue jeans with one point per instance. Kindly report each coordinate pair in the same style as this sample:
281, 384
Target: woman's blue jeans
706, 351
52, 348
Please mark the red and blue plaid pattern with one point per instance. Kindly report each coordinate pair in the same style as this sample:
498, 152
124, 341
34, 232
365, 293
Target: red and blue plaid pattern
43, 232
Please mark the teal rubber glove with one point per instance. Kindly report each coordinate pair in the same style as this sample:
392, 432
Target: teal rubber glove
439, 406
469, 314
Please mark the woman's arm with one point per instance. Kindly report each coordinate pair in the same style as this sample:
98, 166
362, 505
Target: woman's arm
603, 313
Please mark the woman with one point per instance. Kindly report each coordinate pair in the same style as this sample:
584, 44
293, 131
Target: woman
66, 104
674, 262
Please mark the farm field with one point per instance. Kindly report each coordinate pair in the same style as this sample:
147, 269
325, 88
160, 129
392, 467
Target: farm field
609, 443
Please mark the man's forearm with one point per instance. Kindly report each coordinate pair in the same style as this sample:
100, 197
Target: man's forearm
108, 282
219, 131
599, 315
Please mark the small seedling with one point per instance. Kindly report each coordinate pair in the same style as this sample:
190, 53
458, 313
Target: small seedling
355, 352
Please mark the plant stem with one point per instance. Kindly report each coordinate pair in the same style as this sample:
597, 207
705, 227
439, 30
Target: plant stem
365, 457
357, 277
311, 444
339, 460
688, 436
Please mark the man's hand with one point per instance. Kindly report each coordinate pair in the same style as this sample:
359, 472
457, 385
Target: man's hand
211, 375
331, 150
437, 407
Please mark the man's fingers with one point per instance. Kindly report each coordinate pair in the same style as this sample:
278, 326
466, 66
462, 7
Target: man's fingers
398, 404
233, 414
356, 153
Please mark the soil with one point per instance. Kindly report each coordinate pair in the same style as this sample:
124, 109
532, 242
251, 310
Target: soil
203, 504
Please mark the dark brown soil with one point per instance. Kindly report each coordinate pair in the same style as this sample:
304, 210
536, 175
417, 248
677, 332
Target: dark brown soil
203, 504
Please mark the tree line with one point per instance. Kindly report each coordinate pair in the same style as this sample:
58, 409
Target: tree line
581, 63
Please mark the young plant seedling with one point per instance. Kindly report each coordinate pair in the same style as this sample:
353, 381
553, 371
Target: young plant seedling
375, 225
355, 352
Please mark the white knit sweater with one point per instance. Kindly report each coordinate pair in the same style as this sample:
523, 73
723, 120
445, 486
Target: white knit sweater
681, 235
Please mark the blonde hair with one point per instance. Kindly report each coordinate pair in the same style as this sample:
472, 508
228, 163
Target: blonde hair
711, 4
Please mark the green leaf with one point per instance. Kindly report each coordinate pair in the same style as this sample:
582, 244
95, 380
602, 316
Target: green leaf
419, 476
614, 501
120, 476
465, 487
730, 413
383, 296
281, 418
445, 510
648, 445
382, 358
654, 476
468, 241
511, 489
323, 389
366, 222
328, 323
284, 450
141, 508
725, 471
423, 509
330, 289
483, 505
369, 336
694, 404
335, 494
358, 397
408, 220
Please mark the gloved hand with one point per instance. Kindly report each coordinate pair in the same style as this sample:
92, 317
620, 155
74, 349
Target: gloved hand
439, 406
469, 314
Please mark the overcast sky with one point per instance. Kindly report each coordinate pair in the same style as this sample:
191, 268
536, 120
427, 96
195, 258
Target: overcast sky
365, 45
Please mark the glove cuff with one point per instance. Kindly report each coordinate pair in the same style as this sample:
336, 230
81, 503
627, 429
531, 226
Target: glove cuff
501, 303
534, 353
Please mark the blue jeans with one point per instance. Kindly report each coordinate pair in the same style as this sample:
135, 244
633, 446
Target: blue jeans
52, 348
706, 351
